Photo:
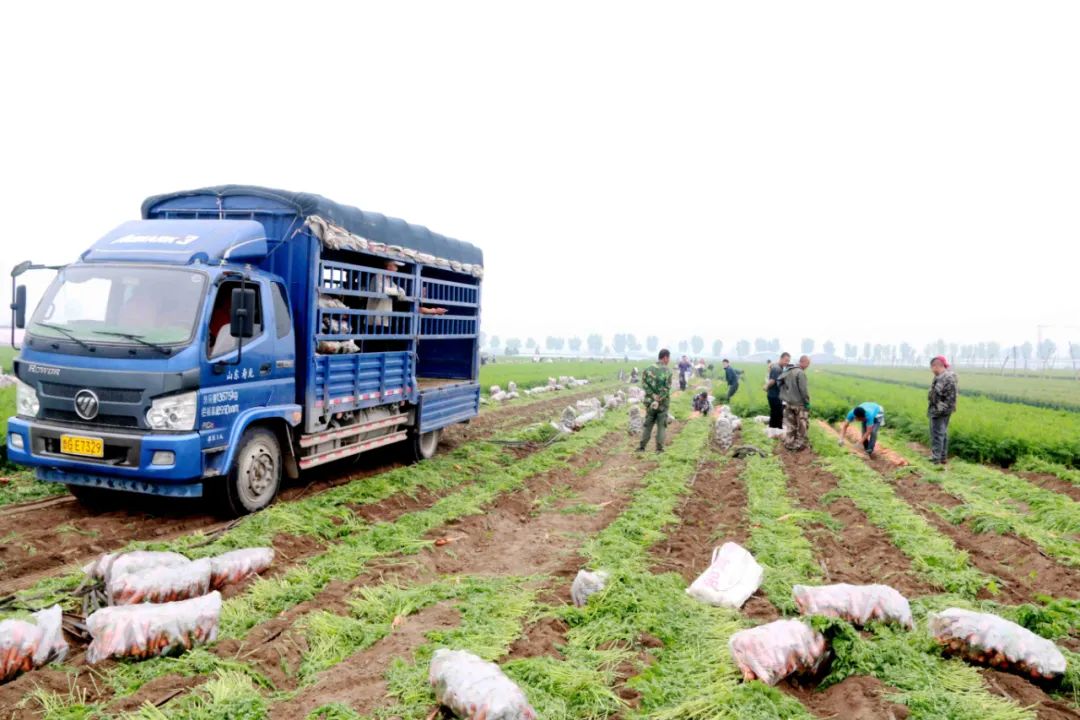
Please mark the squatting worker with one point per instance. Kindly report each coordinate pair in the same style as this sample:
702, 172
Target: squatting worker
796, 398
701, 402
872, 417
656, 382
731, 376
941, 406
772, 391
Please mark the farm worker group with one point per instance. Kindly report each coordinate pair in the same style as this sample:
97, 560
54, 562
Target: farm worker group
788, 394
941, 404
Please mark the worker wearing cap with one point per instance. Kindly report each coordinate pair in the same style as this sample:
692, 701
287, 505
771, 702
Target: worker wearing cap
872, 417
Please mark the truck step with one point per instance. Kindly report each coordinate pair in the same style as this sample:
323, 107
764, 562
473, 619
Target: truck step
351, 431
331, 455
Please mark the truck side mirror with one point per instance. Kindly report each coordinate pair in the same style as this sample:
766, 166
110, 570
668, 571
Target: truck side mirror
18, 306
242, 318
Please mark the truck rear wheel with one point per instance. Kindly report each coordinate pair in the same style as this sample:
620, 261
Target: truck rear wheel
421, 446
255, 477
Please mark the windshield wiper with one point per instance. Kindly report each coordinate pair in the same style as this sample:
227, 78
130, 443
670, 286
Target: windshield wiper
70, 335
137, 338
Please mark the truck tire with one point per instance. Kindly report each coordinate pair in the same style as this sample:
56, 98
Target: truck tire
94, 498
255, 477
421, 446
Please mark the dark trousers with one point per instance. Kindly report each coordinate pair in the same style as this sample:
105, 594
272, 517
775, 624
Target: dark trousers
939, 438
658, 417
776, 413
870, 444
731, 390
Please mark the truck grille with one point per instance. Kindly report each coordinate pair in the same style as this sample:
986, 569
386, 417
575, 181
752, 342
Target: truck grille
69, 416
118, 395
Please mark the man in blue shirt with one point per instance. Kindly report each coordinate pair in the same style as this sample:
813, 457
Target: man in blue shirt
872, 417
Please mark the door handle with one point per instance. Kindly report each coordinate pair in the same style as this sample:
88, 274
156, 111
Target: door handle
264, 369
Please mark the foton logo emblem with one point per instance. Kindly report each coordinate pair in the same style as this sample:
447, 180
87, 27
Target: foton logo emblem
86, 404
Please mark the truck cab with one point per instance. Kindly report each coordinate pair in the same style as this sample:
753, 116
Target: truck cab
236, 336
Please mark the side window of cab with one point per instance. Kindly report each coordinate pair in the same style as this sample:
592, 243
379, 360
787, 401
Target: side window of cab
219, 340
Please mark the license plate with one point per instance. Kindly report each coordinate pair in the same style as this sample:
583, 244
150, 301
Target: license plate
79, 445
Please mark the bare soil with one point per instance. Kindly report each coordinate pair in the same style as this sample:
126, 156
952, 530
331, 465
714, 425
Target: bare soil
855, 698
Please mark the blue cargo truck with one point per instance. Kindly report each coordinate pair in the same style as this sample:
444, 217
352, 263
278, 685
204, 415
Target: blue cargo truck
239, 335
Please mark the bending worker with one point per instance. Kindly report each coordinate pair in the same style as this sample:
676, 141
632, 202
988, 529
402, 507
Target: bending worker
872, 417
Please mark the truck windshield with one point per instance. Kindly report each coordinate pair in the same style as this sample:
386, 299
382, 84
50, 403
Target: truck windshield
121, 305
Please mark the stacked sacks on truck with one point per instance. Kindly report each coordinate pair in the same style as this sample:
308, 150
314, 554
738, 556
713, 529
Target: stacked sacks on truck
331, 326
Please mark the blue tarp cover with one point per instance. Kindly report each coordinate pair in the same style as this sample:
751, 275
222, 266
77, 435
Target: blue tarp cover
371, 226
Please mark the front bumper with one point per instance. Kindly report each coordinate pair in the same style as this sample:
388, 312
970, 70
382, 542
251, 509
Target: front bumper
128, 458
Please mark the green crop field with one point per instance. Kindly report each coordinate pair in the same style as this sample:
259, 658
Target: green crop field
476, 549
1057, 391
528, 374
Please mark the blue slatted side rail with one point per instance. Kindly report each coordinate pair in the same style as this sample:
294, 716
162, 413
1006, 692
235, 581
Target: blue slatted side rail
445, 292
338, 278
354, 380
364, 325
448, 326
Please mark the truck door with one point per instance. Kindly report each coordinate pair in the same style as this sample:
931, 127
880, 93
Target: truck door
231, 385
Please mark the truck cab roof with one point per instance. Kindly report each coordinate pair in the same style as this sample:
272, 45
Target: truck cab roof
181, 242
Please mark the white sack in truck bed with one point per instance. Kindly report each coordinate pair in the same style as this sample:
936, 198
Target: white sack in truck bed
990, 640
476, 689
772, 652
152, 630
858, 604
29, 644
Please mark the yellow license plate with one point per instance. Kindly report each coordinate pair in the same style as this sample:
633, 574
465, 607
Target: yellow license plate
78, 445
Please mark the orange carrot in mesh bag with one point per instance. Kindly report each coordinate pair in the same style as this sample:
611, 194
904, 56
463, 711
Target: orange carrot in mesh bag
28, 644
237, 565
138, 631
988, 639
134, 561
858, 604
158, 584
772, 652
474, 688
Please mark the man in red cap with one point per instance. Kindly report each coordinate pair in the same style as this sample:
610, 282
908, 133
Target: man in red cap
942, 404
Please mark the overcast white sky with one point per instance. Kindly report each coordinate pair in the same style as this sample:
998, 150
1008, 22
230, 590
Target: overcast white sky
858, 171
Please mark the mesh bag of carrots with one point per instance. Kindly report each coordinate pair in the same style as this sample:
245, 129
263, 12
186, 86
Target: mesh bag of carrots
858, 604
990, 640
474, 688
238, 565
150, 630
134, 561
165, 583
29, 644
773, 651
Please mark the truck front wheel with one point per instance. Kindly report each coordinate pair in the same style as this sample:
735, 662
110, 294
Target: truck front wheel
421, 446
255, 477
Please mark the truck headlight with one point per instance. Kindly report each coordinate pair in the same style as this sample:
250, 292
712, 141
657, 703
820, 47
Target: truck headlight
26, 399
175, 412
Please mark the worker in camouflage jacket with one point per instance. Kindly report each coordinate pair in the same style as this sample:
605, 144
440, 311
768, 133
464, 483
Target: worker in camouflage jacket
796, 397
940, 407
656, 382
